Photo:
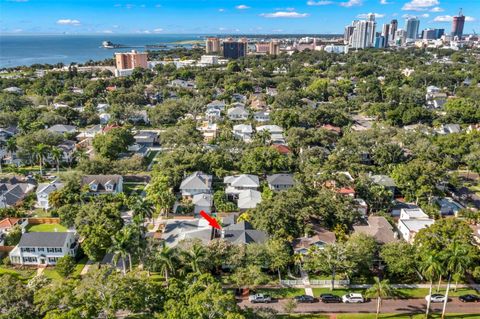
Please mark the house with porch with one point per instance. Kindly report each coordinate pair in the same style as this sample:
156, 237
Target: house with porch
44, 248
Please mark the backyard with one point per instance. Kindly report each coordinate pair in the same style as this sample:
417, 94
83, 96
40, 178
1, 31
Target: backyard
42, 228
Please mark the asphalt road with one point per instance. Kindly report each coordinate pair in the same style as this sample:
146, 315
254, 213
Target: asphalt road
389, 306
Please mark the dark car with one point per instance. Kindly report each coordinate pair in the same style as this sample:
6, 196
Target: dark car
305, 299
469, 298
329, 298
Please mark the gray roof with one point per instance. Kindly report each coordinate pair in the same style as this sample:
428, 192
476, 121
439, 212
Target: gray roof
197, 180
243, 180
244, 233
44, 239
379, 228
62, 128
101, 180
280, 179
249, 199
383, 180
177, 230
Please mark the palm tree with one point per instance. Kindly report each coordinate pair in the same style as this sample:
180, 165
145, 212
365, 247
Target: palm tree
164, 261
11, 146
457, 260
379, 290
195, 257
39, 153
143, 208
120, 248
57, 156
430, 268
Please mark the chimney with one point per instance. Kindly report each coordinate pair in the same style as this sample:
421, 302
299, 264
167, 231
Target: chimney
222, 233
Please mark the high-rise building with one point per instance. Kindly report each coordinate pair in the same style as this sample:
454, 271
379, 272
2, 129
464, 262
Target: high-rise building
131, 60
212, 45
386, 33
432, 34
411, 27
234, 49
348, 32
457, 25
363, 35
393, 29
380, 42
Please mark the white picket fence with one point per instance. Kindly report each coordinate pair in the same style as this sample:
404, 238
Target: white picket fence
314, 282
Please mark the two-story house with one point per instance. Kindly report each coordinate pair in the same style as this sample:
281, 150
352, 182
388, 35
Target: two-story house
411, 222
43, 248
237, 113
43, 193
238, 183
243, 132
103, 184
196, 183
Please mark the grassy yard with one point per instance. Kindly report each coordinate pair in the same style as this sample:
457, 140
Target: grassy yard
151, 156
79, 267
129, 188
46, 228
52, 274
24, 274
403, 293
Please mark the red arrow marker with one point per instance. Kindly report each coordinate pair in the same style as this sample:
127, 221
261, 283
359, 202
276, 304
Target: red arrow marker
212, 221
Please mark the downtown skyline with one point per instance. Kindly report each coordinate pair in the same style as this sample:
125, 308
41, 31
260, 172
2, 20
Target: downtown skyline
221, 17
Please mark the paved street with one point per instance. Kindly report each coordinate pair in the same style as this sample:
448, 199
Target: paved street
390, 306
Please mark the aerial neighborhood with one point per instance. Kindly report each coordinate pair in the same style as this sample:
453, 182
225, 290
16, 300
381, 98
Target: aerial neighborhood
303, 177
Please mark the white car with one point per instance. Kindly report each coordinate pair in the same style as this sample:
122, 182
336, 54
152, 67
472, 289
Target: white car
260, 298
435, 298
353, 298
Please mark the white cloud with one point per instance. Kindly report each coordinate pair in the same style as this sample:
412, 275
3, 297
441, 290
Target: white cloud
157, 30
448, 18
242, 7
384, 2
365, 15
425, 15
351, 3
221, 10
420, 5
277, 30
319, 3
158, 6
17, 1
285, 14
68, 22
107, 31
436, 9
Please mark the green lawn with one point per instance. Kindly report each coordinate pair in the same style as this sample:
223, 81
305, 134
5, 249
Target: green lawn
52, 274
404, 293
129, 188
24, 274
41, 228
79, 267
151, 156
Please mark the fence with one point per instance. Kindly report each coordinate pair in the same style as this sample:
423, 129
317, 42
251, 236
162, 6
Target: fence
37, 221
315, 282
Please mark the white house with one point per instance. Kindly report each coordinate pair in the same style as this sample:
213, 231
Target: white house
243, 132
43, 248
278, 182
411, 222
237, 113
103, 184
261, 116
43, 193
202, 202
196, 183
238, 183
248, 199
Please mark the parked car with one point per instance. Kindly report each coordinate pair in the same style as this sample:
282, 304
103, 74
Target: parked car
435, 298
260, 298
353, 298
305, 299
329, 298
469, 298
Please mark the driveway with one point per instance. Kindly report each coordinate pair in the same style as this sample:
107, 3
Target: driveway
388, 306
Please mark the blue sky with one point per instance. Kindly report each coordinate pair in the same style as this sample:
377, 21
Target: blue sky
216, 17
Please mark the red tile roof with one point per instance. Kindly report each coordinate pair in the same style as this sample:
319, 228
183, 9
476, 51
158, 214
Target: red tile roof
9, 222
282, 148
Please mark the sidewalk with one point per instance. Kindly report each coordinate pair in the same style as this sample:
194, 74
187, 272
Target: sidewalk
306, 283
